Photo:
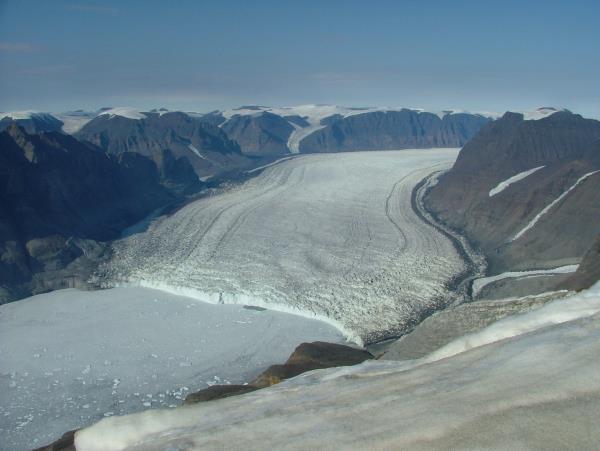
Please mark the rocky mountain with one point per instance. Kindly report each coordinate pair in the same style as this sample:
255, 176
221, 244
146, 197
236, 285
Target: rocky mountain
31, 121
59, 199
264, 130
262, 134
527, 192
382, 130
207, 148
588, 272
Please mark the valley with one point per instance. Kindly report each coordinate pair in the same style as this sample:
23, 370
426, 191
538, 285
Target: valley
332, 237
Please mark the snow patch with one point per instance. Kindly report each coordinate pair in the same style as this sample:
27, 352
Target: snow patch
478, 284
540, 113
534, 221
197, 152
514, 179
127, 112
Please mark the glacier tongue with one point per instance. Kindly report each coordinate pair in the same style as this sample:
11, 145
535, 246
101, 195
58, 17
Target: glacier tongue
328, 236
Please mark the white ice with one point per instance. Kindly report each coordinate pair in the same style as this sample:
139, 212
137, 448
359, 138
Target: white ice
330, 236
16, 115
534, 221
540, 113
70, 357
478, 284
514, 179
526, 382
196, 151
127, 112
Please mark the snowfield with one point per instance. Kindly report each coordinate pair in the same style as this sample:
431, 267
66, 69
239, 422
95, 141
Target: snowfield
530, 381
330, 236
69, 358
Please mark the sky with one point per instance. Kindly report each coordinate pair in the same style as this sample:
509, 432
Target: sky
205, 55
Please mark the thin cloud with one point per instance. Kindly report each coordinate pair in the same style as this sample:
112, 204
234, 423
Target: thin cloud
17, 47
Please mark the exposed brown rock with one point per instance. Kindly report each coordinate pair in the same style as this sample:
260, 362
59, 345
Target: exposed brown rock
306, 357
312, 356
218, 392
65, 443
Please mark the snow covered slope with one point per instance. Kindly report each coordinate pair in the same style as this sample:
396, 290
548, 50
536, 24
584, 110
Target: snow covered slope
69, 357
331, 236
526, 382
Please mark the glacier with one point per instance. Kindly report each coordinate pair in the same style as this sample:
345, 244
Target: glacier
330, 236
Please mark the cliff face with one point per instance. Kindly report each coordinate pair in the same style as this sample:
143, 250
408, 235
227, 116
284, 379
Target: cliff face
526, 191
207, 148
58, 197
383, 130
262, 134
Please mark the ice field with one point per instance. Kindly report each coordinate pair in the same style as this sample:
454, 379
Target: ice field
330, 236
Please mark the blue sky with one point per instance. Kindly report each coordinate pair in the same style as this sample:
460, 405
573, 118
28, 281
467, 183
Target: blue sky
204, 55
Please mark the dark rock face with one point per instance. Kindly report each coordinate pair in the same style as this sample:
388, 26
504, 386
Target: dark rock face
218, 392
588, 272
568, 146
58, 197
35, 123
207, 148
65, 443
385, 130
261, 134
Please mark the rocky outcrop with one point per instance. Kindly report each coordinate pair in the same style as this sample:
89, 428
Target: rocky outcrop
206, 147
546, 219
383, 130
306, 357
588, 272
261, 134
65, 443
59, 200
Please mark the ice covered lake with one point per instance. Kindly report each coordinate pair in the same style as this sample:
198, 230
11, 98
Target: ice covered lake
331, 236
69, 358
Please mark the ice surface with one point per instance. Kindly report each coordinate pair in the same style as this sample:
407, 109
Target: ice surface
534, 221
514, 179
25, 115
331, 236
70, 357
526, 382
478, 284
128, 112
540, 113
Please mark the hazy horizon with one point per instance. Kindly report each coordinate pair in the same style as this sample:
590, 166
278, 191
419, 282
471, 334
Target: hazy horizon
203, 56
